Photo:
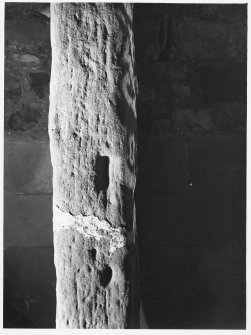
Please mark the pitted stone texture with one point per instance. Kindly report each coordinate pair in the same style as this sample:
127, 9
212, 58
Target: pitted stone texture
92, 126
92, 290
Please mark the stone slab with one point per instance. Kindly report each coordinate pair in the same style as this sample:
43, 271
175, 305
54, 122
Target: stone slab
28, 220
217, 163
22, 31
192, 247
162, 164
203, 286
27, 167
207, 219
30, 313
191, 163
210, 40
29, 272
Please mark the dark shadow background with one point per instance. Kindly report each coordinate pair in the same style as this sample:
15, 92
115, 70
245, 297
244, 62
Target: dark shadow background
190, 194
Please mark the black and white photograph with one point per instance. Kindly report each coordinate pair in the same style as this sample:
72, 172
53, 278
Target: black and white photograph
124, 165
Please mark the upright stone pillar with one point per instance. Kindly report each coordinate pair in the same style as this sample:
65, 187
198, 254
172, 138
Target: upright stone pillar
92, 127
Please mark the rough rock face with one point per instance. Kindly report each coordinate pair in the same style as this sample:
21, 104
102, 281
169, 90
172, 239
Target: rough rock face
92, 127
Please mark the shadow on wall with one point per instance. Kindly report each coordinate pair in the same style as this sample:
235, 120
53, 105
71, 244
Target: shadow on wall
190, 193
191, 228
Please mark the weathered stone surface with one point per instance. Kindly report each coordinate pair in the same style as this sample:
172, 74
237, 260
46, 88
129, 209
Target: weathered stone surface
179, 211
27, 53
195, 119
30, 218
28, 264
26, 58
24, 120
92, 126
40, 83
29, 312
20, 31
229, 117
217, 163
200, 163
12, 88
197, 230
225, 117
27, 167
224, 81
210, 40
188, 56
162, 164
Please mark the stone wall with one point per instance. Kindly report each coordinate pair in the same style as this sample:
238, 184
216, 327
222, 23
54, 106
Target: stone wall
191, 62
27, 69
190, 193
29, 274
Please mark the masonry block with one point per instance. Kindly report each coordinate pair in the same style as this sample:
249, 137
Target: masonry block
26, 269
162, 164
27, 167
28, 312
217, 163
28, 220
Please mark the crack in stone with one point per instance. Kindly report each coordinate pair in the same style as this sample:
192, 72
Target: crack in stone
89, 226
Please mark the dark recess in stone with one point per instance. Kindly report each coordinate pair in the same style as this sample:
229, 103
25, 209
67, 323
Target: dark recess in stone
101, 179
93, 254
105, 276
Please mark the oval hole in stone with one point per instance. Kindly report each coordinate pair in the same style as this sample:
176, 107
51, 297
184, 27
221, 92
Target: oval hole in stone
105, 276
93, 254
